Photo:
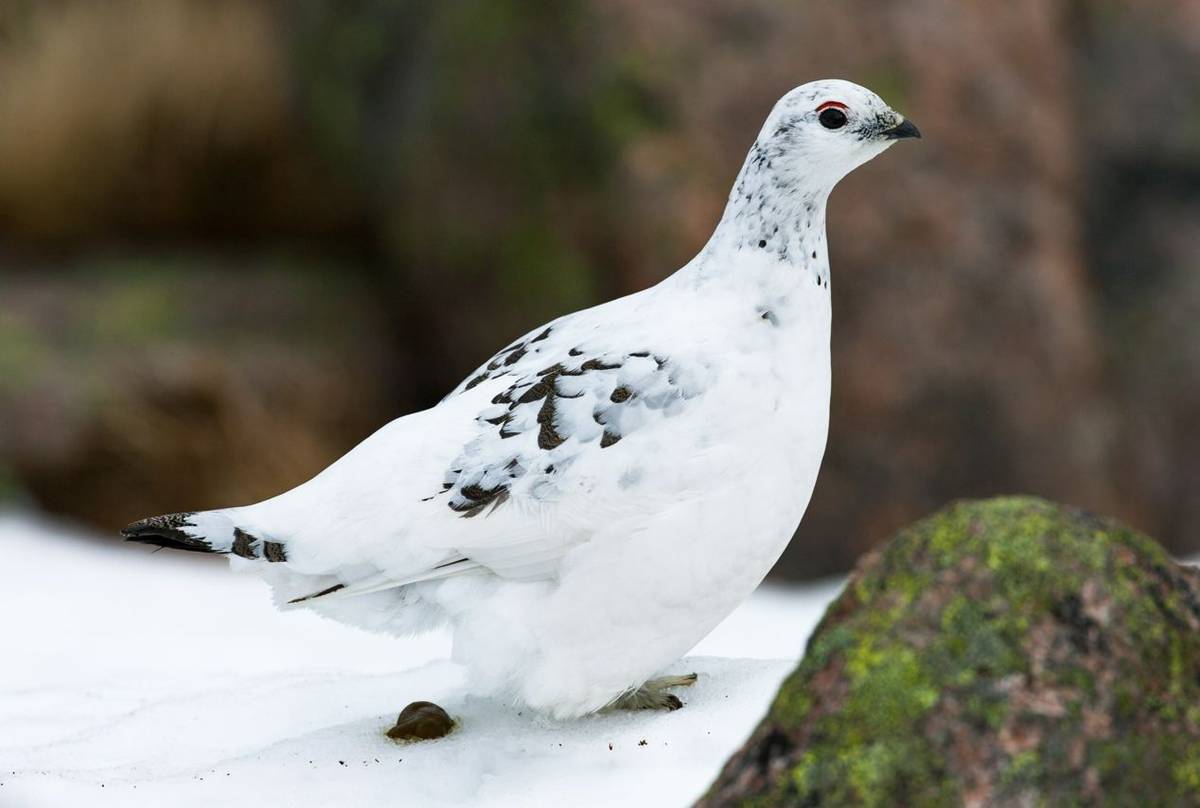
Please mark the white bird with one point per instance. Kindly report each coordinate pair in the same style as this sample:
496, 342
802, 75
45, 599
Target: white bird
594, 499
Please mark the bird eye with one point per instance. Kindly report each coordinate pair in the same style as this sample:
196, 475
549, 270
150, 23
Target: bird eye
832, 118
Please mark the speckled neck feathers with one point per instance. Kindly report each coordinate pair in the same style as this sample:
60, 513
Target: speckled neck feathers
774, 211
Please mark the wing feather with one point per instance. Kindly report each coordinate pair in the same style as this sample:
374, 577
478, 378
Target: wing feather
381, 582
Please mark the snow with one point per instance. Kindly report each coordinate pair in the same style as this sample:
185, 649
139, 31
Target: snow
132, 678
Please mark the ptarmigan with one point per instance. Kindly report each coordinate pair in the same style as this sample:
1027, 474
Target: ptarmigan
594, 499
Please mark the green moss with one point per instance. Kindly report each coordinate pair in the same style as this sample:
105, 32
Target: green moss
1011, 648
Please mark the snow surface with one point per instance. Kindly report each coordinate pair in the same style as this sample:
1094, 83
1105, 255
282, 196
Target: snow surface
132, 678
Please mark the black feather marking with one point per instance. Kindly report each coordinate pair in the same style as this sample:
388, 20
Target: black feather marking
548, 437
543, 335
452, 563
243, 544
322, 593
596, 364
172, 542
534, 397
274, 551
476, 492
478, 380
494, 496
167, 531
539, 390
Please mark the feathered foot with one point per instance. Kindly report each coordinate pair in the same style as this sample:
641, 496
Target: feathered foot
653, 694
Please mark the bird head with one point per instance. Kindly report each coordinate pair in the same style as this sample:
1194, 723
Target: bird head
821, 131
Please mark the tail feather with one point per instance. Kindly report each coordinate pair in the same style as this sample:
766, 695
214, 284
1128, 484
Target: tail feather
198, 532
174, 530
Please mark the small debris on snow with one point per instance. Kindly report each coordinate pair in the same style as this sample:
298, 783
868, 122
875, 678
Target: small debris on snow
421, 721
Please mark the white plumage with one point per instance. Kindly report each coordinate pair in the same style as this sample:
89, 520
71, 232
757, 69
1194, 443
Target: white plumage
598, 496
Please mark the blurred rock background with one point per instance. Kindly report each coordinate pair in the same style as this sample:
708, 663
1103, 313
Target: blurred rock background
238, 235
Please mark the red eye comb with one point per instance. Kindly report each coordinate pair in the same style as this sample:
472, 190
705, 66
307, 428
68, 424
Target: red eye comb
832, 105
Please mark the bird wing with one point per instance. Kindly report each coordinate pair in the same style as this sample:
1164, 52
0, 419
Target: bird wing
549, 449
543, 434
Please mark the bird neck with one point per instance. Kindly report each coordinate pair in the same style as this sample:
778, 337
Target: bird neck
773, 214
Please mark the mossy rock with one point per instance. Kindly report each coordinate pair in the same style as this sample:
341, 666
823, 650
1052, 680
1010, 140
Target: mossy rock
1001, 652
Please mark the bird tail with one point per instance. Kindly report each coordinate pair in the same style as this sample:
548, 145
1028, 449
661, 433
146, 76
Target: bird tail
198, 531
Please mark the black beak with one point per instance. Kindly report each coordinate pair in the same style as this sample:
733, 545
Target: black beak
902, 130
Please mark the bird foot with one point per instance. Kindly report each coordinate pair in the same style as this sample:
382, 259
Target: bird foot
421, 721
653, 694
